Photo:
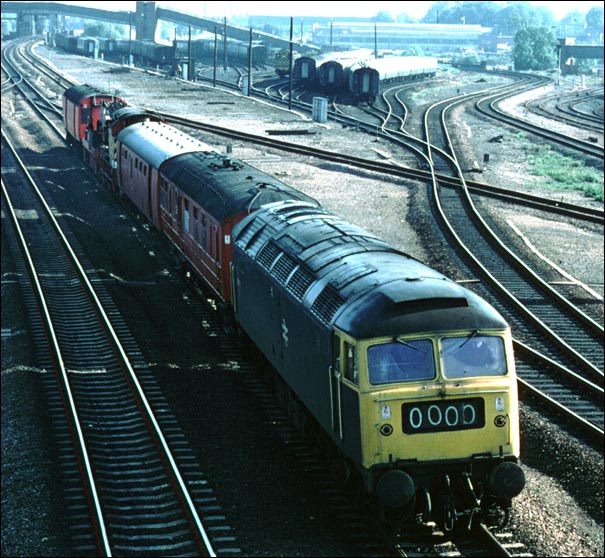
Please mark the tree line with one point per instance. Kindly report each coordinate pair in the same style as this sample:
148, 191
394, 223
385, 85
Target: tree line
534, 29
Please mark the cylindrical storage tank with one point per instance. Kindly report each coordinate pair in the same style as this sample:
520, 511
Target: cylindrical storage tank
320, 109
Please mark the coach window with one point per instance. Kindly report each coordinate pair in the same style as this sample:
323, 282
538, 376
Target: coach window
203, 233
195, 227
173, 204
212, 239
163, 195
186, 215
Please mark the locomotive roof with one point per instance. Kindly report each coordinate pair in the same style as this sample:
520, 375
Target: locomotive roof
348, 278
226, 186
78, 93
129, 111
125, 114
155, 142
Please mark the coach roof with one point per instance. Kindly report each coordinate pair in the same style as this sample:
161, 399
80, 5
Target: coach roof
225, 186
78, 93
155, 142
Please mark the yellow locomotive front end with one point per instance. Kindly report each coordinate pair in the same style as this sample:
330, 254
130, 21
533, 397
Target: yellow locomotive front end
439, 423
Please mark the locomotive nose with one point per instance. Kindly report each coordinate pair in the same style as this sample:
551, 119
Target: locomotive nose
396, 489
506, 480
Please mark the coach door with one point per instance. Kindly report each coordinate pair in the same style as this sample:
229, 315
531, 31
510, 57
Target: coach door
304, 70
331, 75
365, 82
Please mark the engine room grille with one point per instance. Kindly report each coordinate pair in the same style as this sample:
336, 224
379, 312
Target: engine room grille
300, 282
267, 255
326, 305
283, 267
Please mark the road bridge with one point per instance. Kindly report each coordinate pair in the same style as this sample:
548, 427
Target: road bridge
568, 51
144, 20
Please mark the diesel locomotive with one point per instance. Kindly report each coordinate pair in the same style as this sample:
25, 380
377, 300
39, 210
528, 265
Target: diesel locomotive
410, 375
406, 376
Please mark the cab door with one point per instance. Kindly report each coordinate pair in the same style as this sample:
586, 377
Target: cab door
344, 390
335, 379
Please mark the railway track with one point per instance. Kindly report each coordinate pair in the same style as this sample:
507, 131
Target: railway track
565, 371
355, 517
564, 359
133, 485
489, 107
576, 108
564, 366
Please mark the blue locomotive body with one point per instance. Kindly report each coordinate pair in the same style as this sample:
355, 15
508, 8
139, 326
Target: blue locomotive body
325, 301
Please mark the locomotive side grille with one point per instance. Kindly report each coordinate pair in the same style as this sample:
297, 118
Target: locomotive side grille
283, 267
268, 255
300, 282
326, 305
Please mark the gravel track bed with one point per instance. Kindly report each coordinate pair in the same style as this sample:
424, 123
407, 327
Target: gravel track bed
267, 497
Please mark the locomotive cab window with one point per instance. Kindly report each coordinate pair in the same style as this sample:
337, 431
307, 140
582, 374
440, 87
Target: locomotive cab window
473, 355
401, 361
351, 371
345, 359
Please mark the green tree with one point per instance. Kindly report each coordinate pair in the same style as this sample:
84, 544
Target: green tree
469, 13
521, 15
105, 30
594, 18
470, 59
572, 18
405, 18
439, 12
535, 49
474, 13
415, 50
593, 34
383, 17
